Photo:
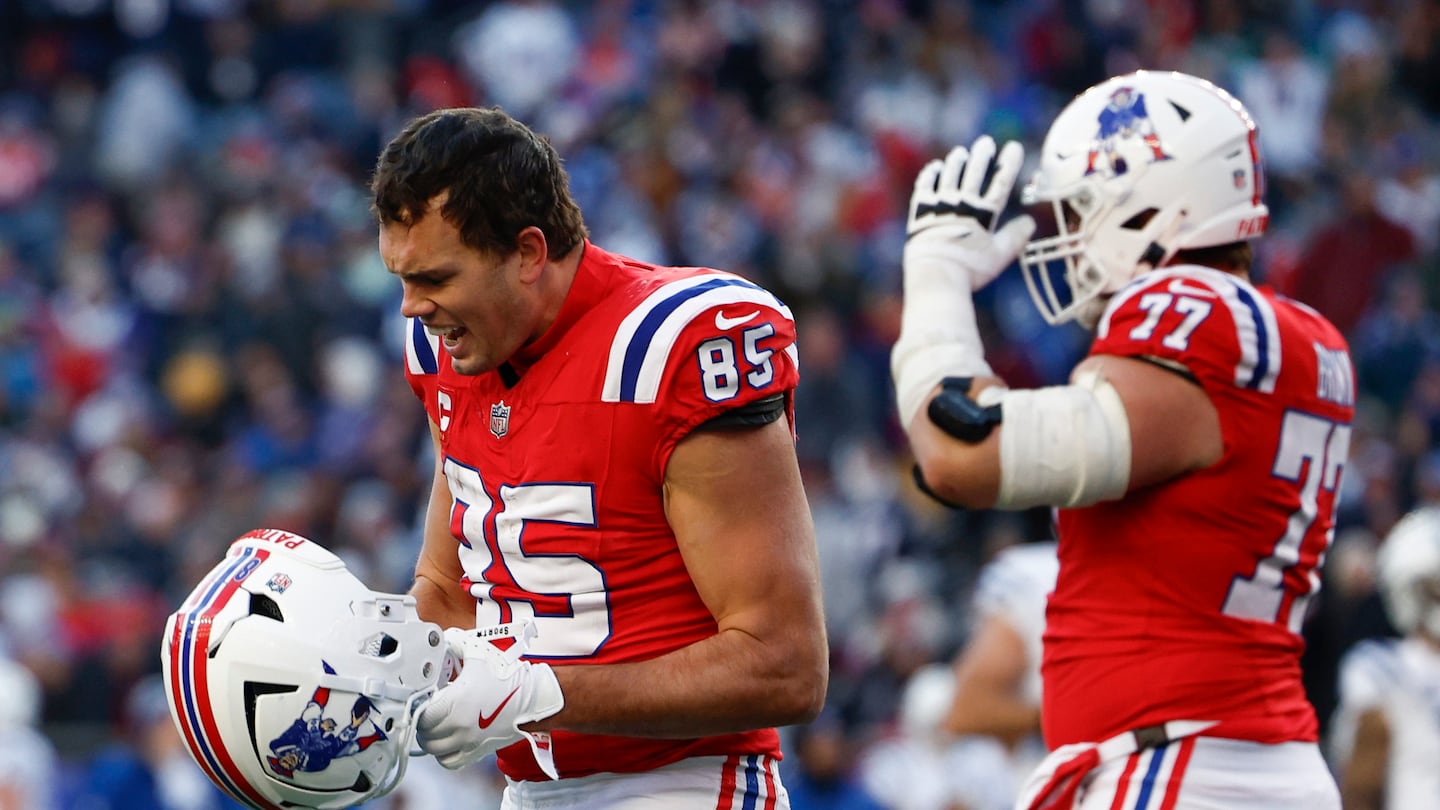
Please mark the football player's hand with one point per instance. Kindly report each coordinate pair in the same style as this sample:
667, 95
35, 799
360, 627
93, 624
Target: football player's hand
495, 692
954, 214
952, 248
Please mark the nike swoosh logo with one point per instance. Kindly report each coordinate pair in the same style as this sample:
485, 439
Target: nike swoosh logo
1179, 287
485, 721
725, 324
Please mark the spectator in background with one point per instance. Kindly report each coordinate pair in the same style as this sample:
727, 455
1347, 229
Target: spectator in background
1396, 337
29, 766
836, 405
147, 766
1285, 90
820, 770
519, 53
1409, 194
1349, 256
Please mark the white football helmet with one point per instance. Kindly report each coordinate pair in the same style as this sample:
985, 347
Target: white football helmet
1409, 571
1138, 167
291, 683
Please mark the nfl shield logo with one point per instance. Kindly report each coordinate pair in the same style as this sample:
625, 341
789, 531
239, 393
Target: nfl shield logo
500, 419
279, 582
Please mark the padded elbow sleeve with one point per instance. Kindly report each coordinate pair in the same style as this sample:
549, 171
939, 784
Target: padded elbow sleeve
1066, 445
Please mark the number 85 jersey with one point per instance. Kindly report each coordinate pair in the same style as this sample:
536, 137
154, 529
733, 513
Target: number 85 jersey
1185, 600
556, 463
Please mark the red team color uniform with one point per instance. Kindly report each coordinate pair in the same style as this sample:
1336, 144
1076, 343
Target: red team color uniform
556, 463
1231, 553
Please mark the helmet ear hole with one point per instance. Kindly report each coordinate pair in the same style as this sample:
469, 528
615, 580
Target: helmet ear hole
1140, 220
262, 605
380, 645
253, 692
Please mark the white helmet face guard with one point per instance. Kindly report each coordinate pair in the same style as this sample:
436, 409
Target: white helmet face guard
290, 682
1063, 275
1135, 169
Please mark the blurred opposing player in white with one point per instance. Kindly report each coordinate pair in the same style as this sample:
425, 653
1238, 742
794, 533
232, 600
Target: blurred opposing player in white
1195, 454
29, 769
925, 767
1386, 735
997, 675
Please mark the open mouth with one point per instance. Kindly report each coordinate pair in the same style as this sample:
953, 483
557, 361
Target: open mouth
449, 335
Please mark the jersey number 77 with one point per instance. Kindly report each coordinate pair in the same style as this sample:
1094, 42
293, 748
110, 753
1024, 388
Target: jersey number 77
1311, 454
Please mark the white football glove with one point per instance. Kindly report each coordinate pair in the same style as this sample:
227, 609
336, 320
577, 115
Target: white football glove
496, 691
953, 248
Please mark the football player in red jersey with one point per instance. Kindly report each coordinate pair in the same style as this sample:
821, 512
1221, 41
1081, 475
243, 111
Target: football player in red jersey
1195, 454
617, 507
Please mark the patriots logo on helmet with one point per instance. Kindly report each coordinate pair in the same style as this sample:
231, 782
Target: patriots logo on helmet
314, 740
1123, 119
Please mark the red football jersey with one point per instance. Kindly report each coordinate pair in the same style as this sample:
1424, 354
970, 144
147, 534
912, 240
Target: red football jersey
557, 476
1184, 600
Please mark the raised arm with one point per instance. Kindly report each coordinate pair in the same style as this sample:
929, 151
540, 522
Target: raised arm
1066, 423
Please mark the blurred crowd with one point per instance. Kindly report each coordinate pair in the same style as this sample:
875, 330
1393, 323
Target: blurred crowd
197, 336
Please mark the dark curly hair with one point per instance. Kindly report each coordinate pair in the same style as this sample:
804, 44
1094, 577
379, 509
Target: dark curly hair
501, 178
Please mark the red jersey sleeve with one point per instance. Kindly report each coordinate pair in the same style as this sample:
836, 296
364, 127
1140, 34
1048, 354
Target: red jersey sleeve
699, 347
1211, 323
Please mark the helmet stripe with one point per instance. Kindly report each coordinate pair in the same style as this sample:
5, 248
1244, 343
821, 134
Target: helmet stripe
180, 682
190, 660
1257, 170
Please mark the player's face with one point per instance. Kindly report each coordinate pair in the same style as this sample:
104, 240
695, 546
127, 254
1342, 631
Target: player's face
474, 301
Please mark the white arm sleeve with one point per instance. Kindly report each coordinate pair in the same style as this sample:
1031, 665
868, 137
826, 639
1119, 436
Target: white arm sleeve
1066, 445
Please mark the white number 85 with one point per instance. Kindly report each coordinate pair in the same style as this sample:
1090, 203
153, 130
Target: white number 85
718, 369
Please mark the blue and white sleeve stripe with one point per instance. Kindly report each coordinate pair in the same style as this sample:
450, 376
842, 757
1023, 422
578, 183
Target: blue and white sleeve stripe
644, 340
422, 350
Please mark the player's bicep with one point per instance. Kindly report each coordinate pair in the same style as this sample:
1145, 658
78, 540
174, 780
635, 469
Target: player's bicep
1157, 400
735, 502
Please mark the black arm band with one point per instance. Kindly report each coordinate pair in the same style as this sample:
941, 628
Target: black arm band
953, 411
751, 414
